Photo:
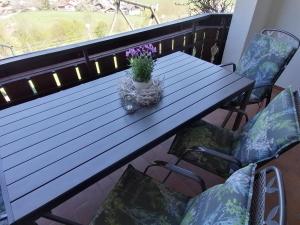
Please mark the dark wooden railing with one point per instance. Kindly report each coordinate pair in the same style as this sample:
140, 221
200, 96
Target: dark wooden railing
36, 74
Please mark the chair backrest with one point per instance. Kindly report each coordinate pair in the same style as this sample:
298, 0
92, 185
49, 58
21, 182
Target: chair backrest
296, 95
227, 203
266, 58
297, 107
268, 182
283, 36
243, 198
272, 131
297, 102
286, 37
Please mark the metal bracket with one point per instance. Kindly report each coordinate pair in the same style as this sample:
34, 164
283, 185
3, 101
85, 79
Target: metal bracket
59, 219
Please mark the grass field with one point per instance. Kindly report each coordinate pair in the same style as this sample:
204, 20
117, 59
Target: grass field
30, 31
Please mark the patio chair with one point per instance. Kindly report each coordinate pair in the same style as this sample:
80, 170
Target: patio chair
139, 199
221, 151
263, 61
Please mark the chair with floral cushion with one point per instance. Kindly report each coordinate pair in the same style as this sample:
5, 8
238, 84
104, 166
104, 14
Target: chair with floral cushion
264, 61
138, 199
221, 151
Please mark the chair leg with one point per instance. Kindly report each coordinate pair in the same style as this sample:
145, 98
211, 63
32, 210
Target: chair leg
260, 105
227, 118
268, 100
170, 172
242, 107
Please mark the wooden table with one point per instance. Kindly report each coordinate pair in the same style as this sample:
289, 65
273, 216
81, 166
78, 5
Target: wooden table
54, 147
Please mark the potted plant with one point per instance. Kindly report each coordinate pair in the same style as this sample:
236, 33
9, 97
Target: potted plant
142, 64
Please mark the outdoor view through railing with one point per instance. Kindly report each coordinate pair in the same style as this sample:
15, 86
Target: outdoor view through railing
31, 25
44, 53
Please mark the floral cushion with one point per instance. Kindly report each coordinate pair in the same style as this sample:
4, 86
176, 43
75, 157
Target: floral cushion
227, 203
206, 135
263, 59
270, 131
139, 200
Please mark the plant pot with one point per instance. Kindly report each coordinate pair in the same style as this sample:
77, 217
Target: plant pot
142, 85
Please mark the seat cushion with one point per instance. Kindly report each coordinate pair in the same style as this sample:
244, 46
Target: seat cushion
270, 131
203, 134
139, 200
227, 203
263, 59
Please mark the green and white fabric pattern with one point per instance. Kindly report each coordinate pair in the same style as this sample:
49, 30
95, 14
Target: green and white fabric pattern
140, 200
204, 134
270, 131
262, 60
224, 204
267, 134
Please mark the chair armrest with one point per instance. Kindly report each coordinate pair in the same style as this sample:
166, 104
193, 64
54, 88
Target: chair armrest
229, 64
281, 193
263, 85
3, 217
268, 185
215, 153
178, 170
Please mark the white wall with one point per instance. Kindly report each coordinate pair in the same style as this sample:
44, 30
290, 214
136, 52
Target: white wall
288, 18
242, 19
265, 11
253, 15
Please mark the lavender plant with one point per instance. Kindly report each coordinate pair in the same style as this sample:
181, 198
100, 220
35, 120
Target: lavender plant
141, 62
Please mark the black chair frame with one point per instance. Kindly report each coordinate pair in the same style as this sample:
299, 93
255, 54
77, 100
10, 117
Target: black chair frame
268, 86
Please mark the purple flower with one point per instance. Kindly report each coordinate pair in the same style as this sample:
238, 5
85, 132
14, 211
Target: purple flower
147, 50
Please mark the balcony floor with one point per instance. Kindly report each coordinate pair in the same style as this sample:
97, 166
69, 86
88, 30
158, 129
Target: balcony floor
82, 207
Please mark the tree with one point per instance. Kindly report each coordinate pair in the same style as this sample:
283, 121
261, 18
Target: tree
210, 6
100, 29
45, 4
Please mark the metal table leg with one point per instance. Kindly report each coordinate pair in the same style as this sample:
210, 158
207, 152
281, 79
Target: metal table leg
243, 108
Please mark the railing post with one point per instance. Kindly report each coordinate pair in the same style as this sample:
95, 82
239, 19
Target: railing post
87, 62
222, 39
192, 39
222, 30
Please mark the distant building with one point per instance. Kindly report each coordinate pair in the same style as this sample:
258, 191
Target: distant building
10, 6
105, 5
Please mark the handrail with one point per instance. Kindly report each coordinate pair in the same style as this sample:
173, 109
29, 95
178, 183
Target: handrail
101, 57
92, 43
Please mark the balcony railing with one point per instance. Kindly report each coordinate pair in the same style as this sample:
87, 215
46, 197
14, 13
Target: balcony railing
36, 74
